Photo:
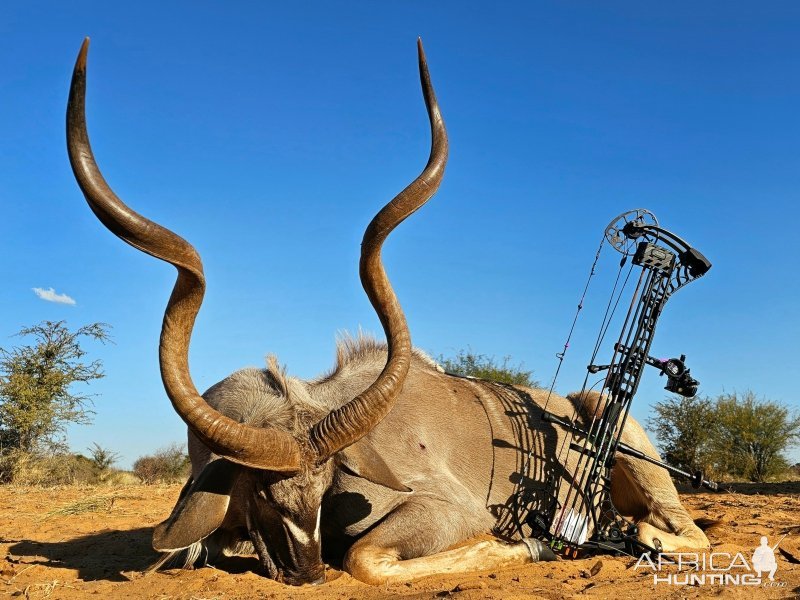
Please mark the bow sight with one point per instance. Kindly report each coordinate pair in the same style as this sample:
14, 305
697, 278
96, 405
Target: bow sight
583, 519
679, 381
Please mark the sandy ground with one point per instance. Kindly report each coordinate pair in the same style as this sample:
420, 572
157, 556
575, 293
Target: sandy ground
95, 543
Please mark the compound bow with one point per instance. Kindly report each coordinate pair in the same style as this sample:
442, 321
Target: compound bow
667, 264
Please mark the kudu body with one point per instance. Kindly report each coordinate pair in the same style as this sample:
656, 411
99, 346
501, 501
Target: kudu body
387, 461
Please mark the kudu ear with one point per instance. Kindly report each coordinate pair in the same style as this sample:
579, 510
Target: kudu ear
200, 509
361, 459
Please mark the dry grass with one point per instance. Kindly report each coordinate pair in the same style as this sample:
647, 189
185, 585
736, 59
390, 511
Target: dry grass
90, 504
43, 590
19, 468
86, 505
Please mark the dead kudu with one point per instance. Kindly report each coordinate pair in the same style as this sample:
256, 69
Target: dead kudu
386, 461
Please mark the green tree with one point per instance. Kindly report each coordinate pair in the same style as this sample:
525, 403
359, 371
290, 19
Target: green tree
684, 430
37, 400
751, 435
738, 435
480, 366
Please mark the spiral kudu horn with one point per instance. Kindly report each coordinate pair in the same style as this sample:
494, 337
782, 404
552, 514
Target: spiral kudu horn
354, 420
263, 448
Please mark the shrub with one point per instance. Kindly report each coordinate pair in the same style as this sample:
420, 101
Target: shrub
481, 366
739, 436
23, 468
752, 435
101, 460
166, 465
684, 428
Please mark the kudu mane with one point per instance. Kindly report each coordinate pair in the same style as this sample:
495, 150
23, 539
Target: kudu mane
356, 353
270, 396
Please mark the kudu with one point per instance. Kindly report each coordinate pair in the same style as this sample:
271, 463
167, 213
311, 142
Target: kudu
387, 459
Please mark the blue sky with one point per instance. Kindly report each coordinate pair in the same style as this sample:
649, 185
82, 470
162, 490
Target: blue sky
268, 134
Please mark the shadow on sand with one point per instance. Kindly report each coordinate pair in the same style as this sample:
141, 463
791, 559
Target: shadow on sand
103, 555
107, 555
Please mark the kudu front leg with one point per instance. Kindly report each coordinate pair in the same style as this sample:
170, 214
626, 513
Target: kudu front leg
408, 544
647, 491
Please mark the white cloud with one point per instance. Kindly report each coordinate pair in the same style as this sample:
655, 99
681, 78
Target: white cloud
51, 296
